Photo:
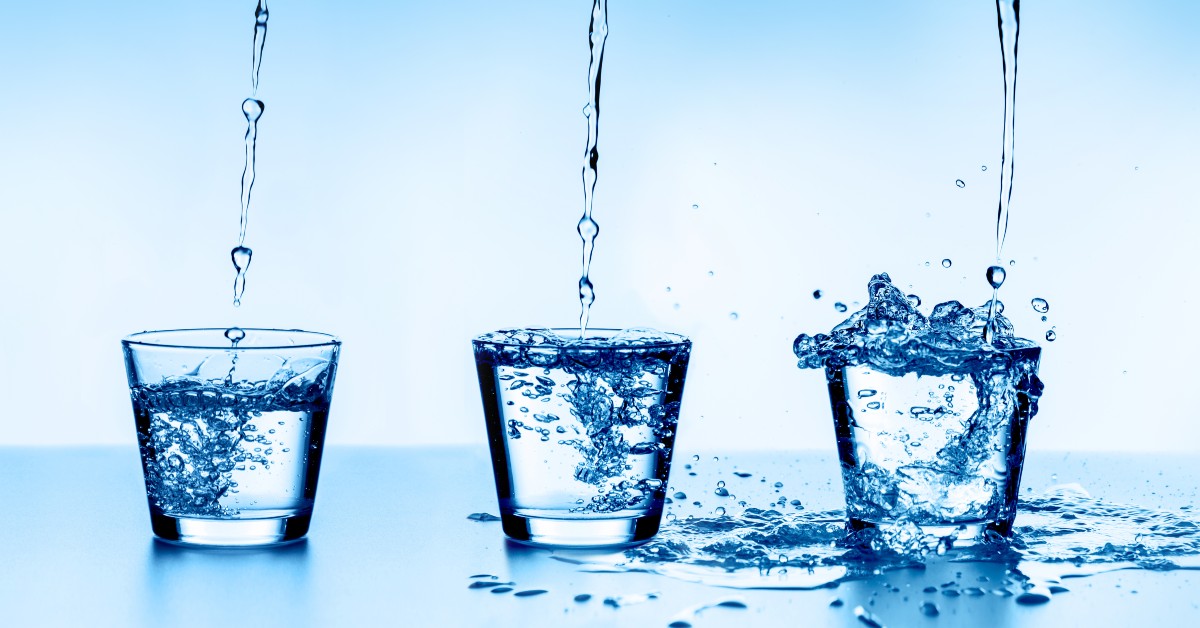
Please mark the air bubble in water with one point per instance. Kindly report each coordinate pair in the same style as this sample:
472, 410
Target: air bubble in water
1051, 336
959, 183
995, 276
1040, 305
946, 263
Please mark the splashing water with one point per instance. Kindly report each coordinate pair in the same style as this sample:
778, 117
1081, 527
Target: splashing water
588, 228
252, 109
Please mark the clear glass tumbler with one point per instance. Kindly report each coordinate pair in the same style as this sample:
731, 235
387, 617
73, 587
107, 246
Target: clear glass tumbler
231, 433
581, 431
942, 451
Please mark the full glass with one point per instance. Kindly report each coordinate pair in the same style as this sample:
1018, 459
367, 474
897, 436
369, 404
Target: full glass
230, 433
943, 451
581, 431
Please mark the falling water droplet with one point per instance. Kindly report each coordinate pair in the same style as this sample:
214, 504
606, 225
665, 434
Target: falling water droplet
1040, 305
695, 206
1012, 262
720, 511
1051, 336
914, 300
733, 316
959, 183
983, 168
711, 273
816, 294
995, 276
241, 257
668, 288
839, 306
946, 263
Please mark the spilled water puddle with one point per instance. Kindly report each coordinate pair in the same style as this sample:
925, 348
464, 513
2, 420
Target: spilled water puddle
1061, 534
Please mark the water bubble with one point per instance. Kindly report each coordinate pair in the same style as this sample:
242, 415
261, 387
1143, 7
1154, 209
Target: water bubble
914, 300
733, 316
720, 511
1051, 336
946, 263
1040, 305
959, 183
995, 276
235, 335
866, 392
839, 306
816, 294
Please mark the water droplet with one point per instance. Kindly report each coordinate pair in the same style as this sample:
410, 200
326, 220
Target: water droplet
1012, 262
929, 609
946, 263
983, 168
733, 316
839, 306
587, 110
583, 597
241, 257
720, 511
721, 492
816, 294
959, 183
680, 495
914, 300
1045, 318
668, 288
695, 206
1051, 336
1040, 305
675, 306
234, 335
995, 276
1032, 597
836, 602
252, 109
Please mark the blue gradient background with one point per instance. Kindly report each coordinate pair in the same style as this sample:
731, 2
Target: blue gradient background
419, 184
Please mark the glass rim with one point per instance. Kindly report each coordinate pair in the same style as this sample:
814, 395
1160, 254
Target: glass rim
574, 344
143, 339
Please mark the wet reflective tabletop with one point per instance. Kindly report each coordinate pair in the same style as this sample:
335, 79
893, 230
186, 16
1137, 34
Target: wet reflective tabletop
391, 544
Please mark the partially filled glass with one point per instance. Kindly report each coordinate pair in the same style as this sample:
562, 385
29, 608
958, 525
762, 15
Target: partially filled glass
230, 429
581, 430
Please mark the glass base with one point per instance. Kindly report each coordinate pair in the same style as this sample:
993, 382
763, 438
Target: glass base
194, 531
955, 535
580, 533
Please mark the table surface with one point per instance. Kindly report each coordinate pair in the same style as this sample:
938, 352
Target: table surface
391, 544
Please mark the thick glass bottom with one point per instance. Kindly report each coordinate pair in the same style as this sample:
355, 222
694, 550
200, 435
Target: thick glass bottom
955, 535
580, 533
193, 531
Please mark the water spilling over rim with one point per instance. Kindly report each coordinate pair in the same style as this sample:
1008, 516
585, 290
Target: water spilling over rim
214, 338
891, 334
